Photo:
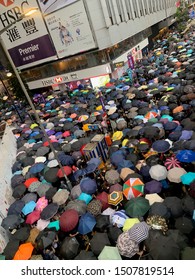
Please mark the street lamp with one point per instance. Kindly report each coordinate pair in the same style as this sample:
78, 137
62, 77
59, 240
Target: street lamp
30, 12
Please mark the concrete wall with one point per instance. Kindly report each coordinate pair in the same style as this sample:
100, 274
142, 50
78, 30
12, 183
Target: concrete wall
7, 158
108, 33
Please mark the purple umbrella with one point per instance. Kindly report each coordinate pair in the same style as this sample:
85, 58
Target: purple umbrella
152, 187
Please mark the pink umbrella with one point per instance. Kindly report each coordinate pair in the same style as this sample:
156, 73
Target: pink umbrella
33, 217
42, 202
171, 163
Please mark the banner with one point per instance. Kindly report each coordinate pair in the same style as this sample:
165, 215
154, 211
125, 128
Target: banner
27, 40
70, 30
49, 6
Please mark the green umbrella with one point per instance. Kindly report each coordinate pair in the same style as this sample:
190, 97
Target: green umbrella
188, 254
137, 207
109, 253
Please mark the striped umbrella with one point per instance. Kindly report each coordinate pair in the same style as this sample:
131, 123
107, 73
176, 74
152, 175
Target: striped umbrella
133, 187
172, 162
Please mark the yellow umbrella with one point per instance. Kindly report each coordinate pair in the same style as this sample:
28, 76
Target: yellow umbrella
33, 125
99, 108
129, 223
117, 135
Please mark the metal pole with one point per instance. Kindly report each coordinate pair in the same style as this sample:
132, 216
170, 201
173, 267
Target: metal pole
34, 110
9, 95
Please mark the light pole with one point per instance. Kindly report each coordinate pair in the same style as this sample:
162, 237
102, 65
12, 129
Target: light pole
69, 185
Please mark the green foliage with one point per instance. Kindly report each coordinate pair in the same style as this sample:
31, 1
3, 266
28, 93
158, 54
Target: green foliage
182, 15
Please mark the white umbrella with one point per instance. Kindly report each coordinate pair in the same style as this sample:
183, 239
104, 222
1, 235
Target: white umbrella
174, 174
158, 172
153, 197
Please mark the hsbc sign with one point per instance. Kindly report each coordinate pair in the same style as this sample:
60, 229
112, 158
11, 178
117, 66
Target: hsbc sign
6, 3
11, 10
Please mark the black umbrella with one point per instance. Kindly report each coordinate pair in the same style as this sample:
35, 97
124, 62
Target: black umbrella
102, 222
85, 255
10, 249
45, 239
180, 239
17, 180
42, 151
113, 234
21, 234
16, 207
69, 248
164, 248
184, 225
19, 191
158, 208
29, 197
174, 204
50, 192
49, 211
11, 222
98, 241
51, 175
188, 204
27, 161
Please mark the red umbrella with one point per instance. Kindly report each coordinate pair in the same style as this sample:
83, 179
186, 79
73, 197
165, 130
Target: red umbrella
67, 171
69, 220
33, 217
171, 163
103, 197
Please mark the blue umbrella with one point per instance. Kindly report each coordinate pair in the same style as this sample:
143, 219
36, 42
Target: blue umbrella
88, 185
186, 156
125, 164
85, 197
188, 178
29, 207
86, 223
37, 167
161, 146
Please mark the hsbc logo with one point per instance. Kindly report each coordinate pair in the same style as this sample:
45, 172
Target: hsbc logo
7, 3
58, 79
11, 12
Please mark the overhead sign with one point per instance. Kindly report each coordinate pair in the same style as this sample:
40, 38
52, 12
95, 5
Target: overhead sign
27, 40
70, 30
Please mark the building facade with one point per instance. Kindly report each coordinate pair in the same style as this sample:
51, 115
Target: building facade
91, 39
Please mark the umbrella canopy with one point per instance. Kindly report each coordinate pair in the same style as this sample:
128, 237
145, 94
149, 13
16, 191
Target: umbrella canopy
21, 234
85, 255
103, 198
186, 156
164, 248
24, 252
137, 207
188, 253
33, 217
154, 197
69, 248
88, 185
171, 163
118, 218
161, 146
174, 204
98, 241
133, 187
152, 187
109, 253
69, 220
184, 225
112, 177
61, 196
158, 172
41, 203
174, 174
115, 197
126, 246
86, 223
188, 178
94, 207
139, 232
78, 205
49, 211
